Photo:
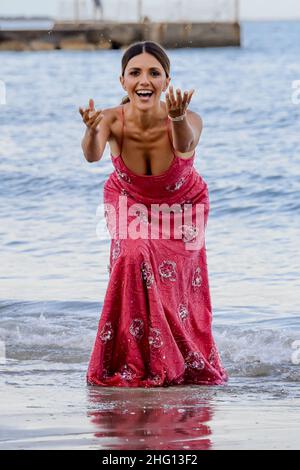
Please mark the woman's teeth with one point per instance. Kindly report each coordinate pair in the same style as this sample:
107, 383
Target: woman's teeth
144, 97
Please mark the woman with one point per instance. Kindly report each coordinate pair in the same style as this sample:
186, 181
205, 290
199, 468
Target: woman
155, 325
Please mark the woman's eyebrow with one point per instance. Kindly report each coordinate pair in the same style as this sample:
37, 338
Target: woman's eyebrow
138, 68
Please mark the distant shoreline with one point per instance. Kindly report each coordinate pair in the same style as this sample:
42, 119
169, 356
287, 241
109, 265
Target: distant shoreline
50, 18
27, 18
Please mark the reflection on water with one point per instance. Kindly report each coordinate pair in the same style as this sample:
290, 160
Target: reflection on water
143, 419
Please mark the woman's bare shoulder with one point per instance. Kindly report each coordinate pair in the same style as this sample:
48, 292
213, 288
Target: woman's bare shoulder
111, 116
195, 118
112, 113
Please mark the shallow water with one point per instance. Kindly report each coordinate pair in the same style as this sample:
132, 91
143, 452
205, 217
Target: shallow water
54, 268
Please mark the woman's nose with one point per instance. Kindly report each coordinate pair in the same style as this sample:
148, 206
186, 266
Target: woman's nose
144, 79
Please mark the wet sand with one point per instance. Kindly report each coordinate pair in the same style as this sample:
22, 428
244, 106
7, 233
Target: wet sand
174, 418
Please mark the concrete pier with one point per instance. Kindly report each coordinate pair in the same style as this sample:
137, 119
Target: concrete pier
114, 35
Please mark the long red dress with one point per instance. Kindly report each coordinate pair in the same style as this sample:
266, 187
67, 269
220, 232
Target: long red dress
155, 324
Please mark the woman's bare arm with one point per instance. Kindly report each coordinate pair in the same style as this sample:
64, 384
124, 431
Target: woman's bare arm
186, 132
94, 142
97, 132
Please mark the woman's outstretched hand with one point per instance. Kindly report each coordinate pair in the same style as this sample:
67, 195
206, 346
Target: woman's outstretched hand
177, 105
91, 117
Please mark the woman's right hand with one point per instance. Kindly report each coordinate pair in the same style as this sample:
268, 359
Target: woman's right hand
91, 117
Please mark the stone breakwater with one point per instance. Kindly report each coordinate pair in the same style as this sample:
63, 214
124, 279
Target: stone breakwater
112, 35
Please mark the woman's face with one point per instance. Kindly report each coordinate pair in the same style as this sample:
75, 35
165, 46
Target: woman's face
144, 72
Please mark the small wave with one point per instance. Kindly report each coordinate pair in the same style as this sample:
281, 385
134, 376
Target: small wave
64, 332
261, 352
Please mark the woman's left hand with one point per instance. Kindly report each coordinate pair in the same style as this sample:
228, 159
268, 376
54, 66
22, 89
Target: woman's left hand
177, 105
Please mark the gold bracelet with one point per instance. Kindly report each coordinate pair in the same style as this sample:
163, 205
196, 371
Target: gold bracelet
178, 118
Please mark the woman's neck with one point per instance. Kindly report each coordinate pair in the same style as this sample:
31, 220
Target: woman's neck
148, 118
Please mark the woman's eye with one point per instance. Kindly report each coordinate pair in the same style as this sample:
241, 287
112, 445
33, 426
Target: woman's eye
132, 73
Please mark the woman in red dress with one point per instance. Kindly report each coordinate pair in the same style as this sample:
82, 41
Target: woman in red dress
155, 324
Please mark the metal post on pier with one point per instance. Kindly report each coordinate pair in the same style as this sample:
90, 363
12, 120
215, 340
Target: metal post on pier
139, 10
236, 11
76, 11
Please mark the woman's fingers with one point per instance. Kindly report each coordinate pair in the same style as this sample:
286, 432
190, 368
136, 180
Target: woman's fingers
91, 104
92, 119
185, 98
172, 97
89, 115
86, 115
92, 114
96, 122
190, 96
178, 103
168, 101
89, 111
82, 111
179, 98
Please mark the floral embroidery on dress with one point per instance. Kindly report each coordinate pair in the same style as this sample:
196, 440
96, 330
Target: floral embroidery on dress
123, 176
127, 373
177, 185
142, 216
107, 212
147, 273
117, 249
137, 328
107, 332
213, 356
156, 379
167, 270
183, 312
155, 339
194, 361
197, 279
189, 232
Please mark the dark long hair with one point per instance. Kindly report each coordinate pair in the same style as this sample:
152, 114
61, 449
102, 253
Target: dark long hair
151, 47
